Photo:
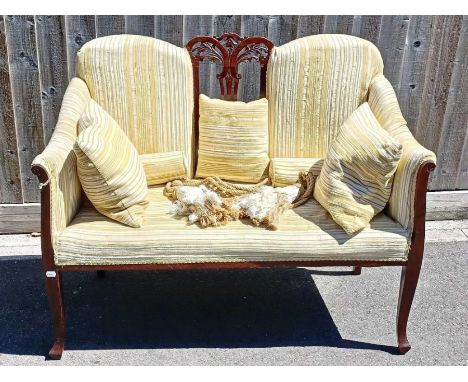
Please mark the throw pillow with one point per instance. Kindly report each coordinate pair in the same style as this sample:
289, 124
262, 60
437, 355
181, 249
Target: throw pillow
110, 168
164, 167
285, 171
356, 177
233, 139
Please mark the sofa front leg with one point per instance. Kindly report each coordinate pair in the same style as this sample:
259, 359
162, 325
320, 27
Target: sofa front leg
408, 283
55, 295
356, 271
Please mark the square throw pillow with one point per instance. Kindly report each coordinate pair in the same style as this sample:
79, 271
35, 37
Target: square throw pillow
109, 167
233, 140
356, 177
163, 167
285, 171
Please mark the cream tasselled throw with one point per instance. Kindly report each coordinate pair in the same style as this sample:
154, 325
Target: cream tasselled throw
214, 202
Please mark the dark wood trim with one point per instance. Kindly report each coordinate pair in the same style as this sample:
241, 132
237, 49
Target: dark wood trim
410, 271
228, 50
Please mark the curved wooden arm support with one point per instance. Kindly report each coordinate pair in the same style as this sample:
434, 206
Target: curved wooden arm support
410, 271
53, 276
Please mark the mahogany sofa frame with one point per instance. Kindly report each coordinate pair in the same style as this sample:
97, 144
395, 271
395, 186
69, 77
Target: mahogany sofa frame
229, 50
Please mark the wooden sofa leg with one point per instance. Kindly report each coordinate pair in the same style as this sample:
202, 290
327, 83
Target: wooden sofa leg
408, 283
55, 295
356, 270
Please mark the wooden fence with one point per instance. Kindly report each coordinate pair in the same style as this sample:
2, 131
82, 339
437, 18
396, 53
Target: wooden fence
425, 59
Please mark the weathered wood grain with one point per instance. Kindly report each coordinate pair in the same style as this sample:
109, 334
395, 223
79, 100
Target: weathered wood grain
222, 24
338, 24
391, 44
80, 30
170, 29
309, 25
10, 181
26, 91
107, 25
446, 33
53, 70
282, 29
200, 26
410, 88
368, 27
455, 121
20, 218
140, 25
249, 85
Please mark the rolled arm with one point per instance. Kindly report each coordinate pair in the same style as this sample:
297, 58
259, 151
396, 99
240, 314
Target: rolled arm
56, 165
384, 104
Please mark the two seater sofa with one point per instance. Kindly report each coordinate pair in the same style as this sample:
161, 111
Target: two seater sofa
151, 89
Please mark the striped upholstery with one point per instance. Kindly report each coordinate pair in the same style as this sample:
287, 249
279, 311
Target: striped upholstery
285, 171
304, 233
109, 167
356, 177
313, 84
146, 85
59, 161
164, 167
233, 141
384, 104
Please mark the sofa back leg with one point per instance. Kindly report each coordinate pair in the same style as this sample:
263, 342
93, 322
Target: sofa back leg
55, 295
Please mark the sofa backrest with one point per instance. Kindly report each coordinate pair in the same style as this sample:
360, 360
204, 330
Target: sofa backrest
146, 85
313, 84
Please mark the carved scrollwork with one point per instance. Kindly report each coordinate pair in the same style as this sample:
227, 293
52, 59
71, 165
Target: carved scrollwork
229, 50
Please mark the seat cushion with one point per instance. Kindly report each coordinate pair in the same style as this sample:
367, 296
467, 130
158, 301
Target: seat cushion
109, 167
233, 141
304, 233
357, 175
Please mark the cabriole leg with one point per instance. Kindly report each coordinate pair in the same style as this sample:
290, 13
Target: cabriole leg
408, 283
55, 295
356, 270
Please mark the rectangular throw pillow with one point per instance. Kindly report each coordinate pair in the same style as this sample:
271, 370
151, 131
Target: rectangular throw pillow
285, 171
233, 143
164, 167
109, 167
356, 177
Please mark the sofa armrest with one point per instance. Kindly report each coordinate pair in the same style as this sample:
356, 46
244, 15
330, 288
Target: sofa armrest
384, 104
56, 165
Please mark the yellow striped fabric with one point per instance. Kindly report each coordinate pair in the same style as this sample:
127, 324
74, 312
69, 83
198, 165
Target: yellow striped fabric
304, 233
146, 85
384, 104
356, 177
285, 171
109, 168
59, 161
233, 141
313, 84
164, 167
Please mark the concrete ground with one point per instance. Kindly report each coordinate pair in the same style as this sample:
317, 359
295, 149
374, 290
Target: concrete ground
239, 317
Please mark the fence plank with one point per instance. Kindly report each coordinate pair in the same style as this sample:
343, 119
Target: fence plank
170, 29
338, 24
446, 33
10, 181
392, 45
222, 24
109, 25
199, 26
249, 85
368, 27
282, 29
52, 57
455, 120
80, 29
415, 56
310, 25
26, 91
140, 25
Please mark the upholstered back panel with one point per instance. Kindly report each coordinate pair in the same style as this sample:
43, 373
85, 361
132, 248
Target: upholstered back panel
313, 84
146, 85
